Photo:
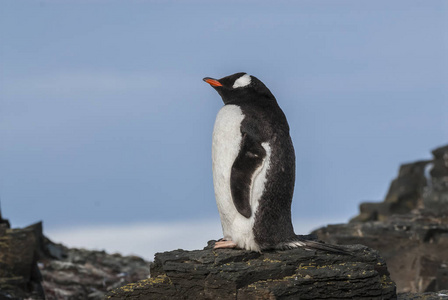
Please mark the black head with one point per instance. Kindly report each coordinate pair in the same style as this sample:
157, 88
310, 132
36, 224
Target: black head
240, 87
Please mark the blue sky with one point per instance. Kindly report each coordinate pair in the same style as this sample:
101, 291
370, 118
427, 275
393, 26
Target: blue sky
105, 119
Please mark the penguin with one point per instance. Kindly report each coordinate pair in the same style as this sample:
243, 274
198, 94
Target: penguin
253, 162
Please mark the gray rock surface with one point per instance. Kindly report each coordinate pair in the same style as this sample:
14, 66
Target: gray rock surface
240, 274
84, 274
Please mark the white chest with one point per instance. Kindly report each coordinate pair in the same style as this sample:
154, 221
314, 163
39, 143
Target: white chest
225, 148
226, 142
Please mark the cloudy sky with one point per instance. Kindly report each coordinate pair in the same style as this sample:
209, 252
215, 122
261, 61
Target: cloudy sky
105, 122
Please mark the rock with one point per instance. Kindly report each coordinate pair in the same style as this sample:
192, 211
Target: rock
406, 190
414, 247
413, 189
19, 275
409, 229
435, 198
4, 222
241, 274
440, 168
404, 195
70, 273
33, 267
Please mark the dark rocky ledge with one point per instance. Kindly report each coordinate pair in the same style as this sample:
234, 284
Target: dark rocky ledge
409, 228
414, 246
33, 267
240, 274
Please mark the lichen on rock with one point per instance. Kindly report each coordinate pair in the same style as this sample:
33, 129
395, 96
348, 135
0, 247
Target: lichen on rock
241, 274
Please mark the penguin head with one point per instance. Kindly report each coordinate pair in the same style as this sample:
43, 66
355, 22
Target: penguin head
240, 87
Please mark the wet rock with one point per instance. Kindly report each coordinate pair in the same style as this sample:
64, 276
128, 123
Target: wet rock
240, 274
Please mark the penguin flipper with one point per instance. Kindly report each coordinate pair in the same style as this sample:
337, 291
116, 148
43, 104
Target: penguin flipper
249, 159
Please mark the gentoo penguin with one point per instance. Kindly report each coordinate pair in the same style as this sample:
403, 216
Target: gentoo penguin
254, 168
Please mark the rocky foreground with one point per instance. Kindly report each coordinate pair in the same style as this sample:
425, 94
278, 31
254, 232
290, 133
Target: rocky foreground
408, 230
240, 274
33, 267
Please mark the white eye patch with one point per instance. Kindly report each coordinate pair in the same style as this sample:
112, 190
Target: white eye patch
242, 81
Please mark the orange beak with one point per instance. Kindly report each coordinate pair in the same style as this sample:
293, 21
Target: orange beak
212, 82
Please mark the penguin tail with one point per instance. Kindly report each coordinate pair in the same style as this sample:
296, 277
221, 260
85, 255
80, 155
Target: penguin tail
307, 244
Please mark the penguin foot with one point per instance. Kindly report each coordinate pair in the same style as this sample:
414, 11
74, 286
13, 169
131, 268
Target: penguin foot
222, 244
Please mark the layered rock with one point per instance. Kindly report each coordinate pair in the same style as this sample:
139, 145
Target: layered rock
70, 273
19, 276
422, 185
409, 228
435, 197
32, 266
240, 274
414, 246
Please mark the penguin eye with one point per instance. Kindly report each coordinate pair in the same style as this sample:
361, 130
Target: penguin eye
242, 81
